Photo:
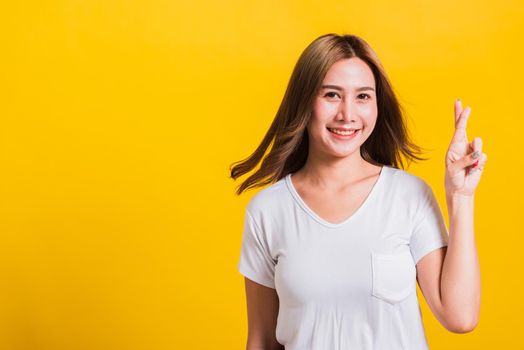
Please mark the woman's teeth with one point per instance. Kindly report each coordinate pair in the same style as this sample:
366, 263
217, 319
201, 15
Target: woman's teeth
341, 132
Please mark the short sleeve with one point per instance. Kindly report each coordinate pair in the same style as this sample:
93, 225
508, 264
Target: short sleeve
429, 229
255, 259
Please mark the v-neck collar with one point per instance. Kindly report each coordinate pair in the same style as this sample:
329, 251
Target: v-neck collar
320, 220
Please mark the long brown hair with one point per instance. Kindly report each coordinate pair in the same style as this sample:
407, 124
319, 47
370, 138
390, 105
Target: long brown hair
386, 145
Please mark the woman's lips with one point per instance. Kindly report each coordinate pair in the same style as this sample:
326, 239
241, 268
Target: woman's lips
345, 137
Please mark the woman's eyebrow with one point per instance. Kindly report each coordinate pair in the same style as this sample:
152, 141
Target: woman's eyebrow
336, 87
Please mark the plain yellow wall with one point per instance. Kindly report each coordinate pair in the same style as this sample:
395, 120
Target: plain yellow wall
119, 226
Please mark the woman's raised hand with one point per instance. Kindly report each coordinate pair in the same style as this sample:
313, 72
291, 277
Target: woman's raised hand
464, 161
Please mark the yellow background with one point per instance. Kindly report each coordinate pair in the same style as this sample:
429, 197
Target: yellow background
119, 226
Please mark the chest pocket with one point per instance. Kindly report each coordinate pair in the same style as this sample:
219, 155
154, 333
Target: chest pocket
394, 276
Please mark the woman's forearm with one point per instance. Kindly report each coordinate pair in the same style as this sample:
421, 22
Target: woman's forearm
460, 283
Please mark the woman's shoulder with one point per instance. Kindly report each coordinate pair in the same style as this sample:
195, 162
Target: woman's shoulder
407, 181
269, 197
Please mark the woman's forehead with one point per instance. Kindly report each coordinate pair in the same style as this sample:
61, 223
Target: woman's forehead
349, 74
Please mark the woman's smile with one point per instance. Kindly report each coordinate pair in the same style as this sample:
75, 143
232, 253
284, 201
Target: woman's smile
343, 134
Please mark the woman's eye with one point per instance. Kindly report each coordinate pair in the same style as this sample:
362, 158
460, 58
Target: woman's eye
331, 93
367, 96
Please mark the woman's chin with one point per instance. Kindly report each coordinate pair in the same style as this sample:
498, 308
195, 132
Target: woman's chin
338, 153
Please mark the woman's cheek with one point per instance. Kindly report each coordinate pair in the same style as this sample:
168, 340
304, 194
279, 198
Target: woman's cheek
323, 110
369, 109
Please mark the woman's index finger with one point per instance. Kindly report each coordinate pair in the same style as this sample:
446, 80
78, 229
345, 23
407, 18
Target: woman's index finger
463, 119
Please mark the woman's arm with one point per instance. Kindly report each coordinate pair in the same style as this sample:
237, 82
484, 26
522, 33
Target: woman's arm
450, 277
262, 313
461, 272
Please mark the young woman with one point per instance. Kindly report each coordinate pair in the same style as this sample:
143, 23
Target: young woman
332, 249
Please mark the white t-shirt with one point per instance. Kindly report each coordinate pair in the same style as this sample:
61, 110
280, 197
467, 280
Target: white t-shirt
350, 285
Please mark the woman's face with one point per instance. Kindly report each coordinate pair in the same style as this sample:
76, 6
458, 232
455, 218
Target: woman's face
345, 102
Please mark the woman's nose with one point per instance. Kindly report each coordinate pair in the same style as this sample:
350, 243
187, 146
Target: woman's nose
347, 111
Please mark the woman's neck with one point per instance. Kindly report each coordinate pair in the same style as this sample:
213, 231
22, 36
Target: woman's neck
324, 174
